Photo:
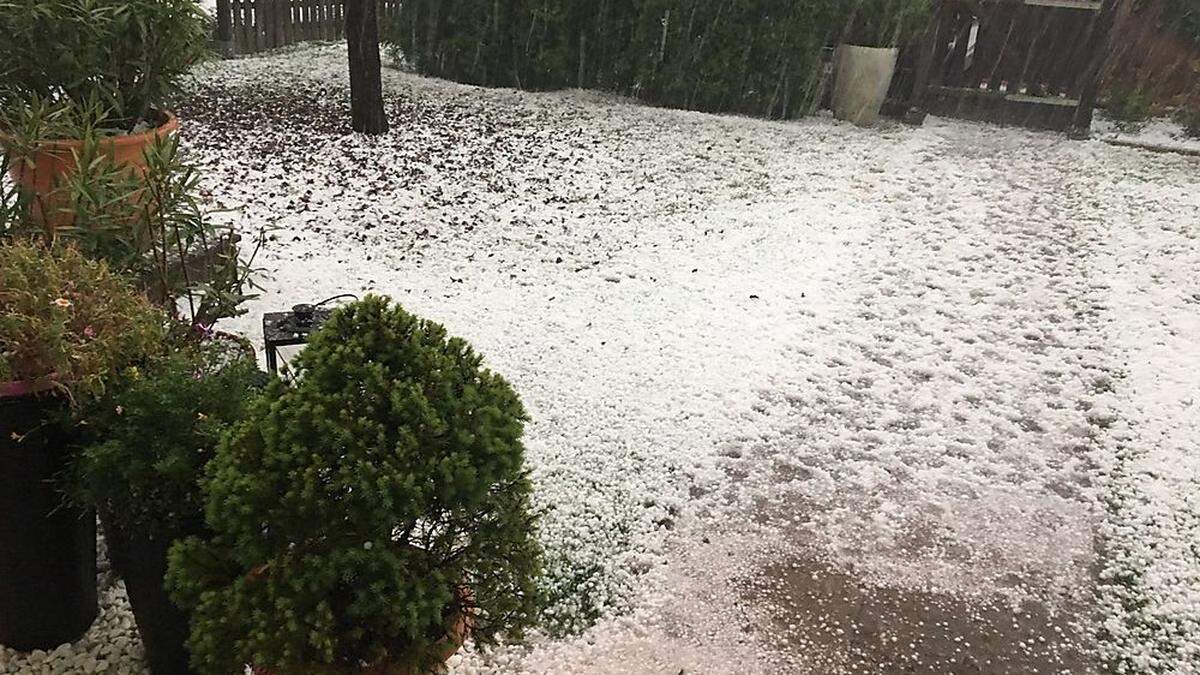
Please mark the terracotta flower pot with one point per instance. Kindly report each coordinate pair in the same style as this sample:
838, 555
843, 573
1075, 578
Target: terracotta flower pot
55, 159
456, 634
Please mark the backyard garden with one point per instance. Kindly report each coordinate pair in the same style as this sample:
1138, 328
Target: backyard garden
612, 337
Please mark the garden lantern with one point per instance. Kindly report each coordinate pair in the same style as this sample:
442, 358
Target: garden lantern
288, 329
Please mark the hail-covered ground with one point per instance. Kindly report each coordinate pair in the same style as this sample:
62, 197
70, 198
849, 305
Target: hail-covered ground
806, 398
1159, 134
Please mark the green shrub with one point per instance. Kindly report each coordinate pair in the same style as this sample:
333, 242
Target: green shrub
69, 320
760, 57
352, 503
889, 23
1129, 107
148, 225
86, 69
151, 434
529, 44
122, 61
1183, 17
1189, 118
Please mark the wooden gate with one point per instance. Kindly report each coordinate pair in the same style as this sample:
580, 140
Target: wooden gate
1033, 63
248, 26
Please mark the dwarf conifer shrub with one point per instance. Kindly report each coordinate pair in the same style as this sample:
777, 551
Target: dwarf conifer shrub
358, 509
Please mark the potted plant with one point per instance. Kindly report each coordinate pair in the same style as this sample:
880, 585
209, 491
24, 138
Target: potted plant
147, 440
369, 514
67, 327
176, 252
106, 78
866, 61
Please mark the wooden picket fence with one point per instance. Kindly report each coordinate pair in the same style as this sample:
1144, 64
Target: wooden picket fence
1034, 63
248, 26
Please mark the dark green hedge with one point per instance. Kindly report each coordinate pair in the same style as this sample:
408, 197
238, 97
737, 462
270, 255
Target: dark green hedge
759, 57
1184, 17
1181, 17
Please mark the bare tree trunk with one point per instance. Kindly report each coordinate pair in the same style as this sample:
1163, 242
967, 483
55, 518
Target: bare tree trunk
366, 86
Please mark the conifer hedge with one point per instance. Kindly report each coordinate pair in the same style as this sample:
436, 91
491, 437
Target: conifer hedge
758, 57
1183, 16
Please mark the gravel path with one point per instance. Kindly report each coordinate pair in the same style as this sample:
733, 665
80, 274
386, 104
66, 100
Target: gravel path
806, 398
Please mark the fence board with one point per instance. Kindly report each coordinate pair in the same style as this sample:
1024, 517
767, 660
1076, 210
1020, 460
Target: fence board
241, 35
258, 25
1029, 62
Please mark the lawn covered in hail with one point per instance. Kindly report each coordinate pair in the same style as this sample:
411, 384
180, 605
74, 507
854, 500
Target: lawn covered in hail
805, 397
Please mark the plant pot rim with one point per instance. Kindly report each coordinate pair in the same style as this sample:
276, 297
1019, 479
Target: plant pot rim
21, 388
869, 47
171, 125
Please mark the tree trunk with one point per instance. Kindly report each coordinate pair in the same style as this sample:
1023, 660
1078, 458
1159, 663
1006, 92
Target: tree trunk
366, 87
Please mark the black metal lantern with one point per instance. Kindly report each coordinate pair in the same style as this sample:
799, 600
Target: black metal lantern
287, 329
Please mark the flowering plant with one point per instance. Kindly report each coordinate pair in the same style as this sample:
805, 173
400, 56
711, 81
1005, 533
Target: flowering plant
68, 321
147, 439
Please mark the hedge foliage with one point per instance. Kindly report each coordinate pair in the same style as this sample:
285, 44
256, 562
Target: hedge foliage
1183, 16
889, 23
759, 57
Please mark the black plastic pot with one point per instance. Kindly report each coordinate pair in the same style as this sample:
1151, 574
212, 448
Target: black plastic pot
47, 548
142, 563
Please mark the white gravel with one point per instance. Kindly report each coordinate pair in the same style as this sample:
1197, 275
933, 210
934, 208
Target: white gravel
110, 646
775, 368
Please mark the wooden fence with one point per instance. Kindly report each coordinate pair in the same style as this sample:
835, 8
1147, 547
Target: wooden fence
1034, 63
247, 26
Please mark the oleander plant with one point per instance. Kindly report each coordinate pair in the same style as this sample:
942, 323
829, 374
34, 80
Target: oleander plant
112, 67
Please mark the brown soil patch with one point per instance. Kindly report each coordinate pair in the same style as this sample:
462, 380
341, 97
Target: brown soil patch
838, 623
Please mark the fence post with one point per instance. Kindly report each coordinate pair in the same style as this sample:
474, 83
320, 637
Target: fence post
1081, 126
224, 28
275, 12
917, 111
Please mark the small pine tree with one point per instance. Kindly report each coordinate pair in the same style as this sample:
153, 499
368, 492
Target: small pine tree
363, 507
